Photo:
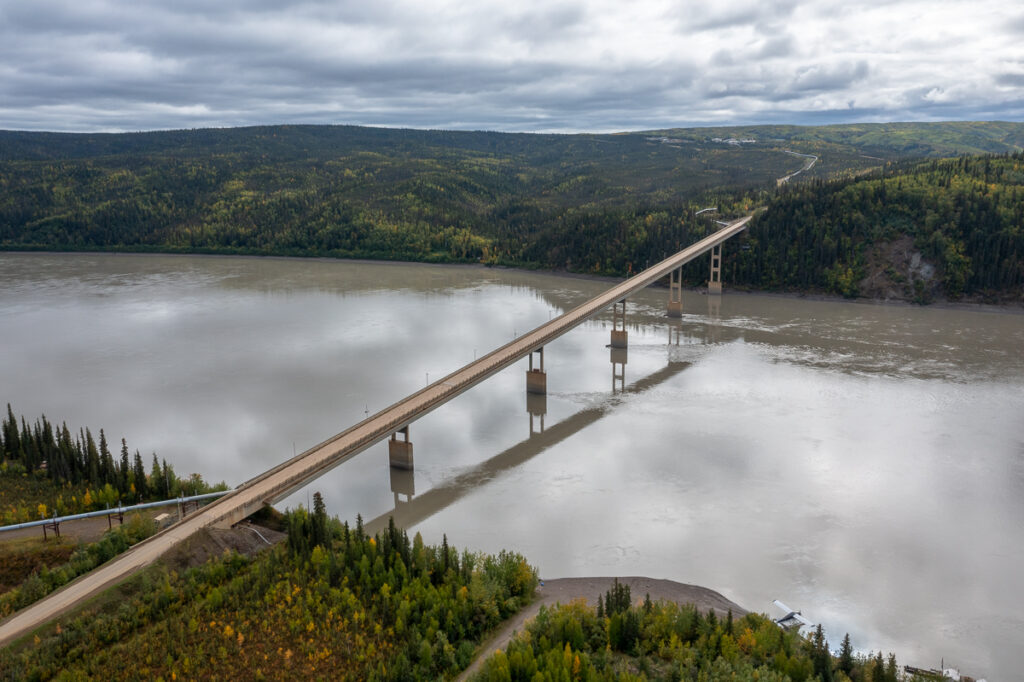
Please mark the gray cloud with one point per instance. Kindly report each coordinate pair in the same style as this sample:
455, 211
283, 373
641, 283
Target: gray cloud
1014, 80
601, 65
723, 15
818, 78
781, 46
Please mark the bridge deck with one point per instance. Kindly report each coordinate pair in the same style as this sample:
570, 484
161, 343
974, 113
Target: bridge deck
280, 481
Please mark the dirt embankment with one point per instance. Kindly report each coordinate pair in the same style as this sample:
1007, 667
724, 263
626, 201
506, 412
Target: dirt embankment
245, 538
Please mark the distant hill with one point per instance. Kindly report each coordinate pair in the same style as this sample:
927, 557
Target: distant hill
951, 138
608, 203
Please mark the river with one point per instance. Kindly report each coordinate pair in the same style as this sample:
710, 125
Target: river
863, 463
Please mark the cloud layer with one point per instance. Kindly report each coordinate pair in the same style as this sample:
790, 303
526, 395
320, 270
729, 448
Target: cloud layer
557, 65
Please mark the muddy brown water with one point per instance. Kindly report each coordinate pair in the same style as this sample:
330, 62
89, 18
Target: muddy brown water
860, 462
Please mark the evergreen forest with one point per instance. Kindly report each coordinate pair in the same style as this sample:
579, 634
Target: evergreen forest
47, 469
628, 640
330, 603
878, 214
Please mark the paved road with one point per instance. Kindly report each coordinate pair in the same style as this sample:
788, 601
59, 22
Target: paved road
282, 480
807, 166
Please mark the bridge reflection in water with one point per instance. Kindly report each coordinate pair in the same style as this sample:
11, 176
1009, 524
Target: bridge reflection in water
415, 509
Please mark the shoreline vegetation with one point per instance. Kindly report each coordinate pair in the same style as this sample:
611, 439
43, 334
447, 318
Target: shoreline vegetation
1012, 307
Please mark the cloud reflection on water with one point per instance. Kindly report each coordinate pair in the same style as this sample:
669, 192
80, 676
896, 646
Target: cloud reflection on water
863, 463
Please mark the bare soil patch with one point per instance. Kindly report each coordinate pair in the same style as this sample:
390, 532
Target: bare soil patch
245, 538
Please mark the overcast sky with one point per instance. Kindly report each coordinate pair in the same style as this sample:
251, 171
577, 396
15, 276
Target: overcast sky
517, 65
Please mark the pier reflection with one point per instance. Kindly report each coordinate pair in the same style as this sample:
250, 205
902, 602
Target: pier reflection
412, 511
403, 482
618, 358
536, 408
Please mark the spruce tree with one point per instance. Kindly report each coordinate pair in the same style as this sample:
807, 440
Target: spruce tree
107, 468
820, 656
11, 440
846, 656
320, 534
92, 459
171, 480
139, 477
157, 480
124, 473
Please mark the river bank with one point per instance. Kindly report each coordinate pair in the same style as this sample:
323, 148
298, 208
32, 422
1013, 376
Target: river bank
965, 304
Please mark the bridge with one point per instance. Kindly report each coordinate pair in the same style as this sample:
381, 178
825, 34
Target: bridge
295, 473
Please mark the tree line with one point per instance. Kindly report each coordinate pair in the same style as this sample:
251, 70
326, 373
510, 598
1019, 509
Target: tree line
83, 467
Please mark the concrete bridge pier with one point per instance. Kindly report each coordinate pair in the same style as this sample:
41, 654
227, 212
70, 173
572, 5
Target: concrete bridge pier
536, 407
400, 451
537, 378
715, 282
618, 358
675, 293
620, 337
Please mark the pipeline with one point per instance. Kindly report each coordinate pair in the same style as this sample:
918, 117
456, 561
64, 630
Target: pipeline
119, 510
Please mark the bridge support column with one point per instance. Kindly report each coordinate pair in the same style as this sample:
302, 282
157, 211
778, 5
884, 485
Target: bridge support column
400, 451
536, 377
620, 337
675, 293
715, 283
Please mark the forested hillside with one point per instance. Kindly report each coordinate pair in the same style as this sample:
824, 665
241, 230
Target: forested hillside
948, 228
604, 204
331, 603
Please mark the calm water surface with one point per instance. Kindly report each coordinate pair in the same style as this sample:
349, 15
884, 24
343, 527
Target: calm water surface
862, 463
